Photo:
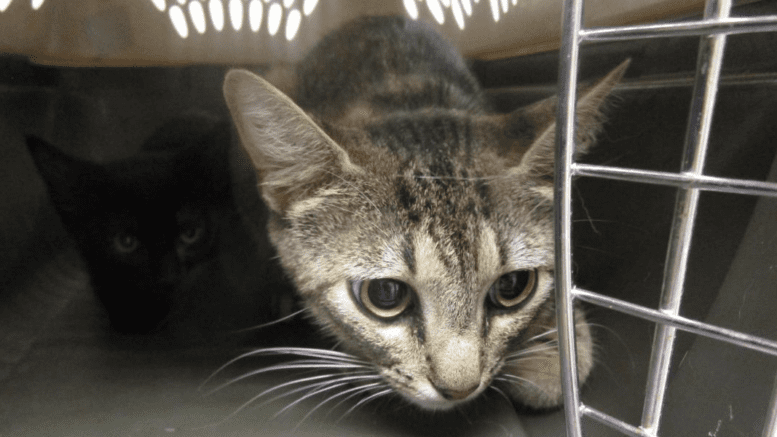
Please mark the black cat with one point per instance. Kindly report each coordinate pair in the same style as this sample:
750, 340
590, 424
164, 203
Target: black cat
147, 226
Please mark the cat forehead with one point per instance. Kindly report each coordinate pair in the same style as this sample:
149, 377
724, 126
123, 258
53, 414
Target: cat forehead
417, 217
427, 135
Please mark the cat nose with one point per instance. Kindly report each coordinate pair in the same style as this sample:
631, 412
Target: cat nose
456, 395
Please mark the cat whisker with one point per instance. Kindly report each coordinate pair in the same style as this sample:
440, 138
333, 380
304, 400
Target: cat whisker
320, 404
312, 352
253, 399
528, 222
332, 356
274, 322
317, 388
350, 184
554, 330
585, 209
544, 373
531, 351
334, 380
279, 386
523, 359
539, 336
501, 393
364, 401
456, 178
299, 364
592, 249
297, 381
620, 339
354, 392
511, 379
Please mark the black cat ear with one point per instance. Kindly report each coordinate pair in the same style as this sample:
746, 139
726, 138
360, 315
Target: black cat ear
535, 125
56, 168
290, 152
63, 175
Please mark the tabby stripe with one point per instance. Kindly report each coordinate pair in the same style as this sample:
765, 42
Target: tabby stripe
409, 255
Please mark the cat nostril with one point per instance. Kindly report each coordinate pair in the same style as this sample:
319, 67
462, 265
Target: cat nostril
456, 395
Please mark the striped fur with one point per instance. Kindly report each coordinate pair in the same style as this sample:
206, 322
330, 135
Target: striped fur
389, 164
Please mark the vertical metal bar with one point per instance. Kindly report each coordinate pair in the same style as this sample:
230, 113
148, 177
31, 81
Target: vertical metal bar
770, 424
708, 66
572, 16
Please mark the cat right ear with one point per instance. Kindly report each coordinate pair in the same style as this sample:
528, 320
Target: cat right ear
292, 155
534, 128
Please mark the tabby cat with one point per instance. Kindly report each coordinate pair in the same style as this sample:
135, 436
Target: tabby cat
146, 226
415, 224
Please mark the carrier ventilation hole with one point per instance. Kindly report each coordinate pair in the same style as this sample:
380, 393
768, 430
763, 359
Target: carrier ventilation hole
460, 9
193, 13
34, 4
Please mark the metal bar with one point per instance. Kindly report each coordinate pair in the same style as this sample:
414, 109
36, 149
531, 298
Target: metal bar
646, 83
720, 26
572, 17
770, 424
737, 338
710, 59
681, 180
612, 422
662, 82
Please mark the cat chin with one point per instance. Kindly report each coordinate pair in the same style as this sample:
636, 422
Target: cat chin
439, 404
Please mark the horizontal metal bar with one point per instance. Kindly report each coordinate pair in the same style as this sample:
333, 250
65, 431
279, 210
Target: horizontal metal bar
682, 180
694, 326
612, 422
734, 25
661, 82
644, 83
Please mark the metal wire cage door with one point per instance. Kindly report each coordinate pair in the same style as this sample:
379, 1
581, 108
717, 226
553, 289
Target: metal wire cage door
713, 29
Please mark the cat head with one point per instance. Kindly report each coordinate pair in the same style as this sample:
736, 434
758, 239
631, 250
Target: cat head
142, 225
422, 241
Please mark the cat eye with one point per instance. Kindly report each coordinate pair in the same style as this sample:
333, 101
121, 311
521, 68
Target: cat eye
125, 243
384, 298
512, 288
191, 234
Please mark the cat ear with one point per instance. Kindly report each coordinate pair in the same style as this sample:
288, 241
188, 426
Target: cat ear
65, 177
536, 125
291, 154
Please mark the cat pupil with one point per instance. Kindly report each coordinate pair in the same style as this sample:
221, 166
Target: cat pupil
124, 242
385, 298
191, 234
513, 288
384, 294
512, 284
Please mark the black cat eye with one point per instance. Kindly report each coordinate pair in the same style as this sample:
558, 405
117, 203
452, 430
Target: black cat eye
384, 298
125, 243
191, 234
512, 288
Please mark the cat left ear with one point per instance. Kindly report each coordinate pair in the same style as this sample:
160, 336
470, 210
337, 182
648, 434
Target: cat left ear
536, 125
291, 154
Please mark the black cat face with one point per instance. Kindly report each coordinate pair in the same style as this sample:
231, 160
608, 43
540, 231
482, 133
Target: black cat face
147, 227
143, 264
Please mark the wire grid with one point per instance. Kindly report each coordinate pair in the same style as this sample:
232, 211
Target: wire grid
713, 29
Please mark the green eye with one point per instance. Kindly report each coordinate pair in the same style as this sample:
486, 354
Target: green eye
125, 243
511, 289
384, 298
